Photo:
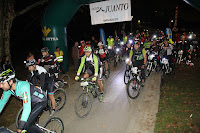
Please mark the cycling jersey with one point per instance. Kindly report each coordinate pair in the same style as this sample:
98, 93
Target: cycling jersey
102, 52
137, 55
30, 95
46, 80
90, 62
110, 42
50, 63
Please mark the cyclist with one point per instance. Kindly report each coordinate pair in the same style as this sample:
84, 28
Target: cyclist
102, 54
50, 63
34, 100
92, 67
168, 53
138, 57
46, 81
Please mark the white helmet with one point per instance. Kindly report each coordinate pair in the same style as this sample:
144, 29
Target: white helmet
100, 44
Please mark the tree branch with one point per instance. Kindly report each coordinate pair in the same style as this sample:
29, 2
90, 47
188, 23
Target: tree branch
41, 2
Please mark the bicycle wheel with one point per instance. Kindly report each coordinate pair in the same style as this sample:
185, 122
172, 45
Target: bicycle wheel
54, 125
107, 73
133, 88
115, 62
83, 105
127, 76
148, 70
19, 114
66, 80
60, 98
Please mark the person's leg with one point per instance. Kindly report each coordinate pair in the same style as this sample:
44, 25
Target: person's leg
36, 111
51, 95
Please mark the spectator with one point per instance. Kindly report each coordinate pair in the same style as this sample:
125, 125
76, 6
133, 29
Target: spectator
81, 52
6, 64
75, 55
59, 55
94, 43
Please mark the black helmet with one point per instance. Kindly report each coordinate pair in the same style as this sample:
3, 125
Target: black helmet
45, 49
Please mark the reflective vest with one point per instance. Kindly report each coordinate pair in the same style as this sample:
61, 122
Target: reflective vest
125, 38
110, 41
59, 56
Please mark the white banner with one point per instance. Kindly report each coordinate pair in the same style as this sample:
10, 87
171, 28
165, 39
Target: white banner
110, 11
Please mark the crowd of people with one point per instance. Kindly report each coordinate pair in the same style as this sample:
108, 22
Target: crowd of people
88, 58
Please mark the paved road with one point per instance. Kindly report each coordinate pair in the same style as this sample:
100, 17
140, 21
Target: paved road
118, 113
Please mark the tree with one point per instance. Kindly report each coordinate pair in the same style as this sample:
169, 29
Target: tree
7, 15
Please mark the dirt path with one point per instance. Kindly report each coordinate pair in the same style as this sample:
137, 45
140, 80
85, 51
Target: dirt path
118, 113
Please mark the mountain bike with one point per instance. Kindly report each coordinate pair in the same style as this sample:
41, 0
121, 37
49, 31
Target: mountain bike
127, 74
60, 98
134, 85
52, 125
106, 73
83, 103
151, 64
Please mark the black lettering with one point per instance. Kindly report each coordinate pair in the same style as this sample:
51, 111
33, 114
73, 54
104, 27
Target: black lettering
126, 6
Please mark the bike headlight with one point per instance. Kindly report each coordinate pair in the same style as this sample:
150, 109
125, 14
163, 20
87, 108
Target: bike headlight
130, 41
154, 36
190, 37
122, 43
109, 47
117, 49
79, 46
152, 56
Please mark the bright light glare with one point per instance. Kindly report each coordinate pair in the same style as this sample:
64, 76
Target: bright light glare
190, 37
122, 43
130, 41
154, 36
117, 49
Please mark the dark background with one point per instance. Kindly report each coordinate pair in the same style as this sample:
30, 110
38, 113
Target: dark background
26, 35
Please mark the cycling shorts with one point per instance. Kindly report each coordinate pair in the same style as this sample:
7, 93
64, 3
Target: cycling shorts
90, 71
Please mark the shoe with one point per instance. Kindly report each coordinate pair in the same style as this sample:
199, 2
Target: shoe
52, 112
101, 97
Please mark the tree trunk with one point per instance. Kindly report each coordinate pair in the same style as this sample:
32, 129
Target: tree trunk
1, 28
7, 15
8, 19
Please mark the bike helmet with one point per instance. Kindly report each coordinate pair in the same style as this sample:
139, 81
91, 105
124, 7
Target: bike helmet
45, 49
87, 49
100, 44
6, 76
82, 42
31, 62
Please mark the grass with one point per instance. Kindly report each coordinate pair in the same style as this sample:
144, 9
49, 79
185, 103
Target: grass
179, 107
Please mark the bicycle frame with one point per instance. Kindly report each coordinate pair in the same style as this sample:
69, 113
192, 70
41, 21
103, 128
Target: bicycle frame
44, 129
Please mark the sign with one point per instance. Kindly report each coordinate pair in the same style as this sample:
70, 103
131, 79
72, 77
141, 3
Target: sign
110, 11
102, 36
169, 33
45, 32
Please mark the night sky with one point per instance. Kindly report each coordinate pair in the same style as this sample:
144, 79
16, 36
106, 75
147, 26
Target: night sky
26, 29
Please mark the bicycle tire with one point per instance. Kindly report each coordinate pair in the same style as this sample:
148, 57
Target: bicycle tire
51, 126
67, 81
127, 76
133, 90
59, 95
18, 117
85, 102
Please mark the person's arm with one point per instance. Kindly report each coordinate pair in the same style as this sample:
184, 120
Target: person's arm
4, 99
81, 65
25, 93
96, 65
145, 56
130, 56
